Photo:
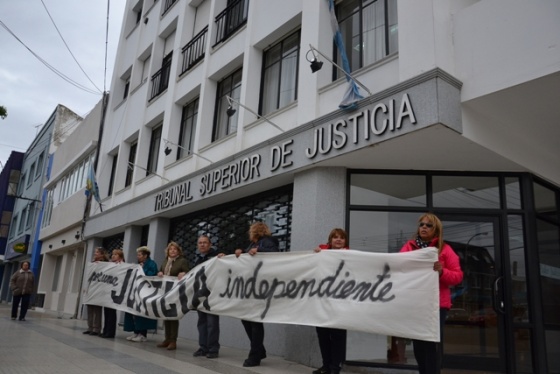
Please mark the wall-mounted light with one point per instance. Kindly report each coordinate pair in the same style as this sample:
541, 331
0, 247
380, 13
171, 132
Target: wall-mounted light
77, 236
316, 65
63, 241
231, 111
146, 20
50, 246
168, 150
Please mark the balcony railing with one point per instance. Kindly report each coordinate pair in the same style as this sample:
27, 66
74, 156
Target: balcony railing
167, 5
231, 19
193, 51
160, 80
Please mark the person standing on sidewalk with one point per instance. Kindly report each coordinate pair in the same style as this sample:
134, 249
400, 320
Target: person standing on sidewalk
175, 265
21, 285
110, 314
94, 311
261, 241
208, 324
140, 325
332, 341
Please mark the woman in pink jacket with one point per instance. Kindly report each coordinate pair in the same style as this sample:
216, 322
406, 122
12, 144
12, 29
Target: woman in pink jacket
430, 234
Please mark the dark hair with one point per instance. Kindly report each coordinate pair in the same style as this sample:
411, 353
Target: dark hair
25, 262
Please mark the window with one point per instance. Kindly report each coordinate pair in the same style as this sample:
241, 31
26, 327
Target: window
369, 30
39, 170
126, 88
46, 221
160, 80
20, 186
112, 178
280, 73
30, 215
130, 165
153, 156
223, 124
13, 226
188, 128
22, 220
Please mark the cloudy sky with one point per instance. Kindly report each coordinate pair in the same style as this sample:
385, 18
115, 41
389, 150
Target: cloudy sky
29, 90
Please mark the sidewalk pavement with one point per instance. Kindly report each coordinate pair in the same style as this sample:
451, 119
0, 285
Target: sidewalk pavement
44, 344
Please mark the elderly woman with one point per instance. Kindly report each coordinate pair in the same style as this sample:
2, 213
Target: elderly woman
430, 234
138, 324
261, 241
174, 265
110, 314
21, 285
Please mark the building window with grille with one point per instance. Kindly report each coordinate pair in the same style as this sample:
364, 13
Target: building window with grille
369, 29
130, 164
224, 124
280, 73
188, 129
153, 156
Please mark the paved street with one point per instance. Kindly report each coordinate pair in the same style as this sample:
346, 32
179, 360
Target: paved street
45, 344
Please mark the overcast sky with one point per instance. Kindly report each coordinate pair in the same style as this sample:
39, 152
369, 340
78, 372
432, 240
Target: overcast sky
29, 90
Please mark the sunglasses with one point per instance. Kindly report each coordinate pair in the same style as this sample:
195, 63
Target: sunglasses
428, 225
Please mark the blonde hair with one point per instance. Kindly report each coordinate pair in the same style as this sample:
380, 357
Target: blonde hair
144, 250
438, 228
259, 230
173, 244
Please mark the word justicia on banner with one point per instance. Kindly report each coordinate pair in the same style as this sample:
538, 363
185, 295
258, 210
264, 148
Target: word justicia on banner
394, 294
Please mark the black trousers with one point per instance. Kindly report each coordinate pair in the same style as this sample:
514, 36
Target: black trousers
429, 355
24, 299
110, 325
332, 343
255, 332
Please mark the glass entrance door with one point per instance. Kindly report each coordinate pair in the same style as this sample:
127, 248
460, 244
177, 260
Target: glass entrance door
473, 333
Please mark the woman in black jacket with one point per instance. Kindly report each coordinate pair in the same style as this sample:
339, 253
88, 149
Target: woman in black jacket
261, 241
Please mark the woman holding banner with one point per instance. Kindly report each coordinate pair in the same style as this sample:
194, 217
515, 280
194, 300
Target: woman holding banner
430, 234
110, 314
261, 241
94, 311
138, 324
175, 265
332, 341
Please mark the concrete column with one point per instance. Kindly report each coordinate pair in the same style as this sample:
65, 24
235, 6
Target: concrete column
158, 238
319, 205
132, 238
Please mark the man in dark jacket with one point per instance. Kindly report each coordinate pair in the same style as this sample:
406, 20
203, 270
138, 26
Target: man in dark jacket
208, 324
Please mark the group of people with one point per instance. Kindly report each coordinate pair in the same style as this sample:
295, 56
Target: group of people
429, 233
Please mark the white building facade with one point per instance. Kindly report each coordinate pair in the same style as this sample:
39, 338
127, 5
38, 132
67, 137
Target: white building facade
62, 247
460, 119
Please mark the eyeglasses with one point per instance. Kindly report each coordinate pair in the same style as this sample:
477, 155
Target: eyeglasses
428, 225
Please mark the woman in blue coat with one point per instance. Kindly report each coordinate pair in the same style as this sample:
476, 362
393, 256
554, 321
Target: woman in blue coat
140, 325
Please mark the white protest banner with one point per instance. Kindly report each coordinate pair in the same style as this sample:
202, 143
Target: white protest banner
385, 293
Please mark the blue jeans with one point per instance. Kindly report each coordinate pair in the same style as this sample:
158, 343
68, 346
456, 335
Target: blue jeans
208, 332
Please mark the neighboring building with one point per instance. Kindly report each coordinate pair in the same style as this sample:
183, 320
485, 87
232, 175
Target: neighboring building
23, 243
62, 250
462, 121
9, 179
